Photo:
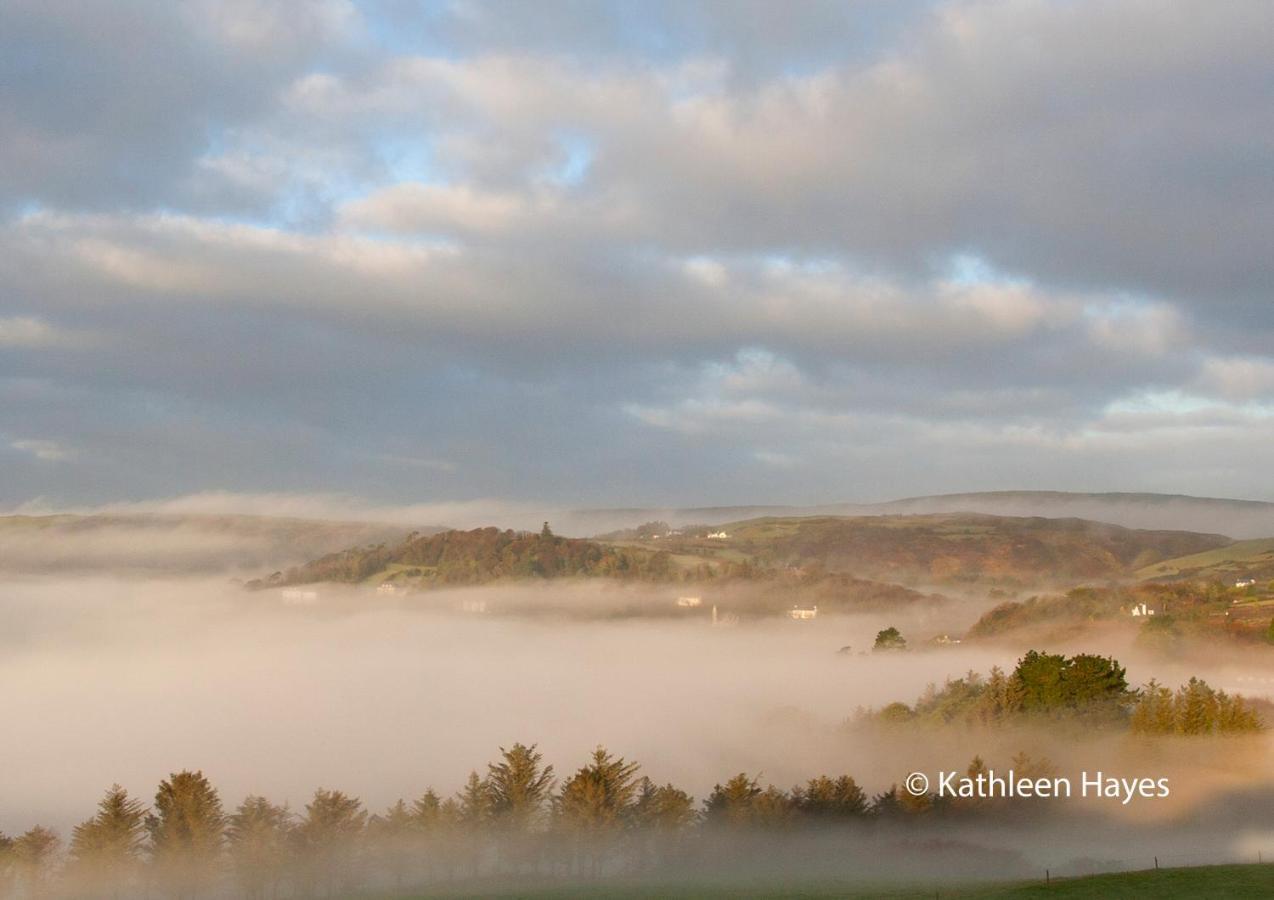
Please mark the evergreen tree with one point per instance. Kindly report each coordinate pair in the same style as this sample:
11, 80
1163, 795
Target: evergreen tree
823, 799
186, 829
1196, 708
395, 839
519, 786
1154, 712
258, 834
33, 855
328, 839
108, 847
732, 803
594, 803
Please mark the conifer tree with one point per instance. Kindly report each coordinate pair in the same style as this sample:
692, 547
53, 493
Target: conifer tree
328, 838
107, 848
519, 786
186, 829
34, 854
258, 835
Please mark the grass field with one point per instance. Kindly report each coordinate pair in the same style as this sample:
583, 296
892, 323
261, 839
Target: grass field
1240, 881
1235, 558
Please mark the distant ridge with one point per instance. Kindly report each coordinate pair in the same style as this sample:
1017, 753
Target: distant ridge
1179, 512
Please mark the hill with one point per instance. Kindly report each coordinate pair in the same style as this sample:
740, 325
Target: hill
1236, 518
479, 556
1240, 560
949, 549
954, 548
172, 544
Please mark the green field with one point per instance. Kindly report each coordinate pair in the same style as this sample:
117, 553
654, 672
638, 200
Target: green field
1196, 882
1234, 559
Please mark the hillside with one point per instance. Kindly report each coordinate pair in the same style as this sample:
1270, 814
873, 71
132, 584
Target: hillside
952, 549
1240, 560
479, 556
173, 544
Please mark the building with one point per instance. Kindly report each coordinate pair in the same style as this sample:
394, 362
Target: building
718, 536
298, 597
803, 612
689, 602
1142, 610
387, 587
1245, 583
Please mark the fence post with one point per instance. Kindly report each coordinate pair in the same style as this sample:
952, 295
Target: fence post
1156, 863
1047, 878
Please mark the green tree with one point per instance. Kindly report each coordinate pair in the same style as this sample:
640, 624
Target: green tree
107, 848
186, 829
889, 639
258, 834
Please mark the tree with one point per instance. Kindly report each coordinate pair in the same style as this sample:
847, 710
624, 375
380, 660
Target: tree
1052, 683
33, 855
257, 835
1269, 632
594, 803
732, 803
825, 800
328, 837
889, 639
186, 830
107, 848
1196, 708
1154, 711
395, 840
519, 786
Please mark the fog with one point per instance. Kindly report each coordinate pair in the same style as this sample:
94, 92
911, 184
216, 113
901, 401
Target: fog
114, 679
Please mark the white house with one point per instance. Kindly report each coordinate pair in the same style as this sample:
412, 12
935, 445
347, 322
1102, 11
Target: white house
689, 602
1245, 583
1142, 610
718, 536
803, 612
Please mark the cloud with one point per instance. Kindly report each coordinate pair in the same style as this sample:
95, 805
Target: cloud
467, 254
45, 451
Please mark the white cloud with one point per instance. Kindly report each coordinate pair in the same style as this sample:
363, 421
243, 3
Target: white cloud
44, 450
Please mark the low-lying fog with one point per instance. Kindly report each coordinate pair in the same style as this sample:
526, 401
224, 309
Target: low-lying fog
119, 680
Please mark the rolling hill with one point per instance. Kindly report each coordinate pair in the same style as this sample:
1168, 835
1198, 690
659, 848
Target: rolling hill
940, 549
1240, 560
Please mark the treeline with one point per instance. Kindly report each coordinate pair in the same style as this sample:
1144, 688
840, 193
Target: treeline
1086, 689
516, 820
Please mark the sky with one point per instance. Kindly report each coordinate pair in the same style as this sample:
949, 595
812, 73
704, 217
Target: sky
627, 253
